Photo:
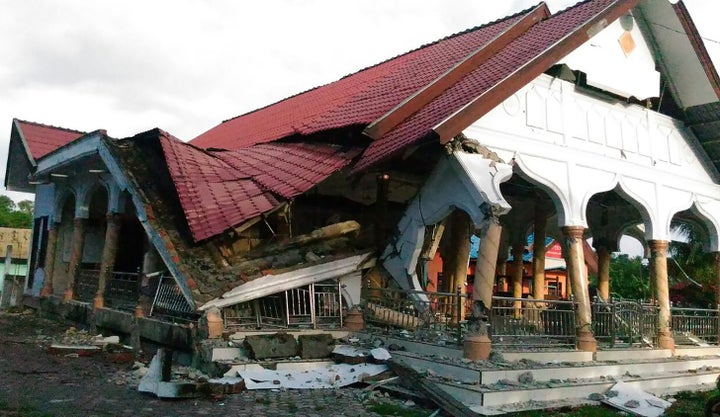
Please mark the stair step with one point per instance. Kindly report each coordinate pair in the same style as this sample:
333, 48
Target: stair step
475, 395
469, 373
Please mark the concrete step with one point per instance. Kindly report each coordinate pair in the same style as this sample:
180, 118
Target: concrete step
482, 397
467, 372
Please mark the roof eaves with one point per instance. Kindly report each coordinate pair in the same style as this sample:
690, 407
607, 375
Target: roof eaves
696, 41
412, 104
478, 107
23, 140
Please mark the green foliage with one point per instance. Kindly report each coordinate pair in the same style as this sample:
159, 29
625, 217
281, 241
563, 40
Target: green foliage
630, 278
689, 259
688, 404
17, 216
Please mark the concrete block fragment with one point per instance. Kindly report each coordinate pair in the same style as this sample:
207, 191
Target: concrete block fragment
78, 350
228, 354
316, 346
277, 345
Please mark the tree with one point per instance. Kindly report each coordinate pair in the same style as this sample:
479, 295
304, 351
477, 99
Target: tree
26, 206
689, 259
10, 216
630, 277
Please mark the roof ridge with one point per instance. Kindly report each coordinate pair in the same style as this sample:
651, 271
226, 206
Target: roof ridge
427, 45
50, 126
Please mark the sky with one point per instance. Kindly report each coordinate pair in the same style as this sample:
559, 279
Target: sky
185, 66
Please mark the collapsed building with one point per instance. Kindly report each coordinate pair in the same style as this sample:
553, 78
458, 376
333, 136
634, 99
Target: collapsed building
579, 124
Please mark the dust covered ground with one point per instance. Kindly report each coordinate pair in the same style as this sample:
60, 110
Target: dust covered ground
35, 383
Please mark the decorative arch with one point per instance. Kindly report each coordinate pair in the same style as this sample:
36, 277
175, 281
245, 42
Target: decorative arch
708, 215
62, 194
85, 192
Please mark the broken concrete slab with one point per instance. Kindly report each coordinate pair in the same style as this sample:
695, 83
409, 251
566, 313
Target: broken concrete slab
152, 382
380, 355
350, 354
79, 350
316, 346
228, 354
334, 376
635, 401
236, 369
278, 345
226, 385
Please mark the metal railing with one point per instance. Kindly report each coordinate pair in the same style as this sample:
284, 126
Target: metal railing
417, 310
624, 321
318, 305
528, 323
522, 322
86, 285
122, 290
696, 323
169, 301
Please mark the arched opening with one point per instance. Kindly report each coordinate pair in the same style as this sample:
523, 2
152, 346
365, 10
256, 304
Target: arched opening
133, 241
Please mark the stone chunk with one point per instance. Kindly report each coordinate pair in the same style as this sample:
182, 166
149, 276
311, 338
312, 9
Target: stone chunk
316, 346
265, 346
526, 377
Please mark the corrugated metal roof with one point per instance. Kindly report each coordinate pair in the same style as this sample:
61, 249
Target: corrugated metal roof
42, 139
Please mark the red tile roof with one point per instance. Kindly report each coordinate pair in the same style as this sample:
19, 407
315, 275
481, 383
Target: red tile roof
42, 139
357, 99
501, 65
220, 190
363, 97
288, 169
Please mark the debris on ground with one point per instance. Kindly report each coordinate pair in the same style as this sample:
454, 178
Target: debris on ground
635, 401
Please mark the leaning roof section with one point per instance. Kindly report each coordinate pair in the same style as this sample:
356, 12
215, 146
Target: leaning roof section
357, 99
219, 190
366, 96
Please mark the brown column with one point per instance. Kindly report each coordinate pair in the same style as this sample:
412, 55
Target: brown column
575, 260
659, 276
604, 256
539, 234
517, 275
107, 263
461, 253
47, 289
78, 243
486, 264
477, 345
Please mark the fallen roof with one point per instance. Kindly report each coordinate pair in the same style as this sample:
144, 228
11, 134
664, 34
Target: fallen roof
221, 189
516, 50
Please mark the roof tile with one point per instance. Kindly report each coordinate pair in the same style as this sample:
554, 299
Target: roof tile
43, 139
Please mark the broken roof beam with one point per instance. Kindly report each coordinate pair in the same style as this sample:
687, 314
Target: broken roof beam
324, 233
523, 75
412, 104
